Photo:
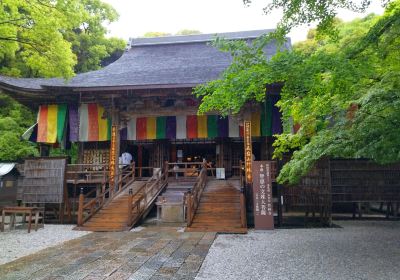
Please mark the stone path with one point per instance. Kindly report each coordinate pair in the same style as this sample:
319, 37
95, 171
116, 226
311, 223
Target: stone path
152, 253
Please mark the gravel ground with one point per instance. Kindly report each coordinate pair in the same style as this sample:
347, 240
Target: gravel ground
18, 243
354, 250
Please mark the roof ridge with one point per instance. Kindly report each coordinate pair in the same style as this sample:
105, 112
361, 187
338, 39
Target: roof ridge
196, 38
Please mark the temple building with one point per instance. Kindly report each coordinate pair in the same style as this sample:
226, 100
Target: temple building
143, 104
146, 99
147, 93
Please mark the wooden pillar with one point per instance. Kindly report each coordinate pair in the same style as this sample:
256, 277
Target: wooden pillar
114, 146
81, 148
140, 159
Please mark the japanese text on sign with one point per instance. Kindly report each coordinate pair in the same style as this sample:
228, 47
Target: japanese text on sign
248, 153
113, 153
262, 195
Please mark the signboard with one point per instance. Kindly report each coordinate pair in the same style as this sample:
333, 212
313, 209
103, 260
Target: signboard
248, 152
113, 154
262, 195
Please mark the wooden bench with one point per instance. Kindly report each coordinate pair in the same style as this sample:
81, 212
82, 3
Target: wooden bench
32, 212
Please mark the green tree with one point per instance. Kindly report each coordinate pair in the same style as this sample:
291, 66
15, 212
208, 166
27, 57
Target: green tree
152, 34
46, 38
323, 77
188, 32
14, 118
322, 12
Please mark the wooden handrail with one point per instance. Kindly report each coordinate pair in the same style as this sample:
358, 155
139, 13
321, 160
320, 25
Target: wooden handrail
243, 218
149, 192
105, 196
193, 197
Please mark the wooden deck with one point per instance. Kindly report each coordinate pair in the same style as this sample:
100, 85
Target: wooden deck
219, 209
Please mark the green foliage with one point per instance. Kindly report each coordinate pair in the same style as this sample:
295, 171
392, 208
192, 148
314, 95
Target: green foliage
188, 32
14, 119
152, 34
322, 12
46, 38
323, 77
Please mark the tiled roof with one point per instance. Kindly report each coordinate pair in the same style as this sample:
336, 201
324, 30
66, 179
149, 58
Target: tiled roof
155, 62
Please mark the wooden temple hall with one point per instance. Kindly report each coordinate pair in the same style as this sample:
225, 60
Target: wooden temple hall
185, 167
189, 165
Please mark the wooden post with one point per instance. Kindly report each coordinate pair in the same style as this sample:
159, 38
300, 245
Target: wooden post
30, 221
189, 209
130, 199
140, 159
3, 218
243, 219
114, 148
80, 208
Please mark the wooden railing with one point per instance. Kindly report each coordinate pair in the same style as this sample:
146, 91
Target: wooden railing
184, 169
125, 177
145, 196
243, 218
86, 173
243, 214
193, 196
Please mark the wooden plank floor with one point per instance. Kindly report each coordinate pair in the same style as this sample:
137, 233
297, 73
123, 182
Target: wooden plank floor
113, 216
219, 209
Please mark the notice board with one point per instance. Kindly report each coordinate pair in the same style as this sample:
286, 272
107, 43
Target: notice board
262, 195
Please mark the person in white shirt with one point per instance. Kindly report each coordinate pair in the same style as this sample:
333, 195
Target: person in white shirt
126, 159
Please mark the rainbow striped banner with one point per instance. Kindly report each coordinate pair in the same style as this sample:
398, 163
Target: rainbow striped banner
51, 123
193, 127
92, 125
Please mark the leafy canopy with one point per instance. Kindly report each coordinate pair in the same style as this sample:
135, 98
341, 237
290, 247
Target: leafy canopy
322, 12
343, 91
47, 38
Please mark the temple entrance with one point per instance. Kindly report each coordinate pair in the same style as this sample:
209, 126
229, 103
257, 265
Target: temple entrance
194, 152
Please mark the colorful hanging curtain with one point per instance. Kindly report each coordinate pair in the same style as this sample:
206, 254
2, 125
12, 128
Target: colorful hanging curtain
223, 126
180, 127
131, 126
161, 126
141, 130
212, 126
255, 124
171, 127
191, 126
202, 126
276, 116
151, 128
92, 125
194, 127
73, 120
233, 127
266, 117
51, 123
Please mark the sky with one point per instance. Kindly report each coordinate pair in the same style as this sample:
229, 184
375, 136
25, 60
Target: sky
208, 16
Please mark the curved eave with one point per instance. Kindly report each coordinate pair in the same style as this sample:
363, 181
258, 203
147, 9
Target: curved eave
132, 87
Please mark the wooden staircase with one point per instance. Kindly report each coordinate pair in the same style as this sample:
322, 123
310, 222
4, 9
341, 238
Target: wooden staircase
114, 215
220, 209
123, 209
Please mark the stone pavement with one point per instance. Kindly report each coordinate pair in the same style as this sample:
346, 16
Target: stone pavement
152, 253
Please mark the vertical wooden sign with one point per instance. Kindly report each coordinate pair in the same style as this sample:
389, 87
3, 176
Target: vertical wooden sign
248, 152
262, 195
113, 154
